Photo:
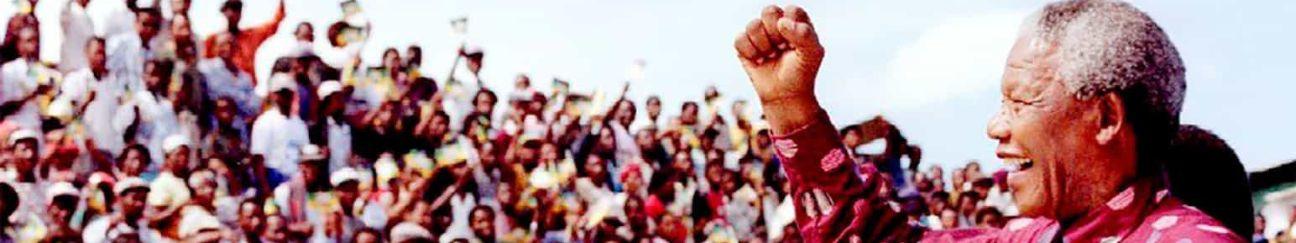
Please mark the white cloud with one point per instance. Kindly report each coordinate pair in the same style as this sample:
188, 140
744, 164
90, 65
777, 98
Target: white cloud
960, 56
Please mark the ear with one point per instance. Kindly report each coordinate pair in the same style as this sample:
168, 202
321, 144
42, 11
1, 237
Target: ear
1111, 117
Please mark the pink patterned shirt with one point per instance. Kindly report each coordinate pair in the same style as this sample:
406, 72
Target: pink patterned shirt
836, 202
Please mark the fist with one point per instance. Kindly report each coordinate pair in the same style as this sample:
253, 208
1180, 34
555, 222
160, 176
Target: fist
781, 53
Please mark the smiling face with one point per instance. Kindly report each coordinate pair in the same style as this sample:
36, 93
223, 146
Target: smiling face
1058, 148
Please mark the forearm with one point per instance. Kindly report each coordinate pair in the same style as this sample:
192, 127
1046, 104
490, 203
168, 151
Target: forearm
835, 199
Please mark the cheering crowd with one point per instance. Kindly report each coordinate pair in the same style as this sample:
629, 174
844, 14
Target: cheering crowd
151, 133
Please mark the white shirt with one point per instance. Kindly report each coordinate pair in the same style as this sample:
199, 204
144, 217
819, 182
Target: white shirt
338, 57
168, 191
101, 121
19, 79
97, 231
339, 144
157, 121
459, 98
77, 31
279, 139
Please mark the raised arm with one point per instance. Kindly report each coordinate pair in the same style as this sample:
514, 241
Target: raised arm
835, 201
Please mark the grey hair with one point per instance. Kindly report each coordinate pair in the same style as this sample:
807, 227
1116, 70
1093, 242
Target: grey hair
1105, 46
1109, 46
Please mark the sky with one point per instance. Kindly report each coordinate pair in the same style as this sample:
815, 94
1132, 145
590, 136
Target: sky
931, 67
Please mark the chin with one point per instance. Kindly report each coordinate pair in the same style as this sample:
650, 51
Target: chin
1031, 205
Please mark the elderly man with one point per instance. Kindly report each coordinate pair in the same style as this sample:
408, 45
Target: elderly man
1091, 96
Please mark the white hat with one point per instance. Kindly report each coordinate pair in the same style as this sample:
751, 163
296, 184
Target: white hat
302, 49
128, 184
23, 134
459, 232
195, 221
312, 152
344, 175
542, 180
61, 189
357, 20
328, 87
282, 81
173, 142
59, 108
200, 177
385, 168
472, 49
409, 231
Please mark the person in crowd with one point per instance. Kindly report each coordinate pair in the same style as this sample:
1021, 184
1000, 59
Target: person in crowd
227, 80
77, 29
278, 134
251, 220
248, 40
63, 199
127, 222
96, 95
332, 126
1197, 153
23, 80
305, 34
303, 215
8, 205
413, 58
1058, 106
168, 192
129, 51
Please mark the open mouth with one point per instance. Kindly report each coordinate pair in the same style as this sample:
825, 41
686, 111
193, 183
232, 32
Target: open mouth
1018, 164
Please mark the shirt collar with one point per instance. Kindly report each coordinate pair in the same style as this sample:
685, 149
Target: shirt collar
1119, 216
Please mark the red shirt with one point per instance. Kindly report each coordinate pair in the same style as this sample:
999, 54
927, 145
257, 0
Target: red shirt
836, 202
248, 41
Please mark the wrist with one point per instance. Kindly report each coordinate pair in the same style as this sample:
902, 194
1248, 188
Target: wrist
789, 113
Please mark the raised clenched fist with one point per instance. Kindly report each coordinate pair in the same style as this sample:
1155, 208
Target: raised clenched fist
781, 53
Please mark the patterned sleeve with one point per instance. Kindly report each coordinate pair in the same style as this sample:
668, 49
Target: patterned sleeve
835, 201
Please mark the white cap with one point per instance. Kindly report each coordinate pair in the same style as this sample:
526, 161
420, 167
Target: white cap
195, 221
282, 81
302, 49
61, 189
542, 180
344, 175
22, 134
357, 20
409, 231
200, 177
472, 49
173, 142
311, 152
385, 168
328, 87
128, 184
459, 232
59, 108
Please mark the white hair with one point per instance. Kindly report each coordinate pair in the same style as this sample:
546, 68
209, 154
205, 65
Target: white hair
1110, 46
1105, 46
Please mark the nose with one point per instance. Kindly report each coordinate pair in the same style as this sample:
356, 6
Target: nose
998, 128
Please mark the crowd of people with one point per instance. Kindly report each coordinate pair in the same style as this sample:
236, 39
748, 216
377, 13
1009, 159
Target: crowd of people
153, 134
